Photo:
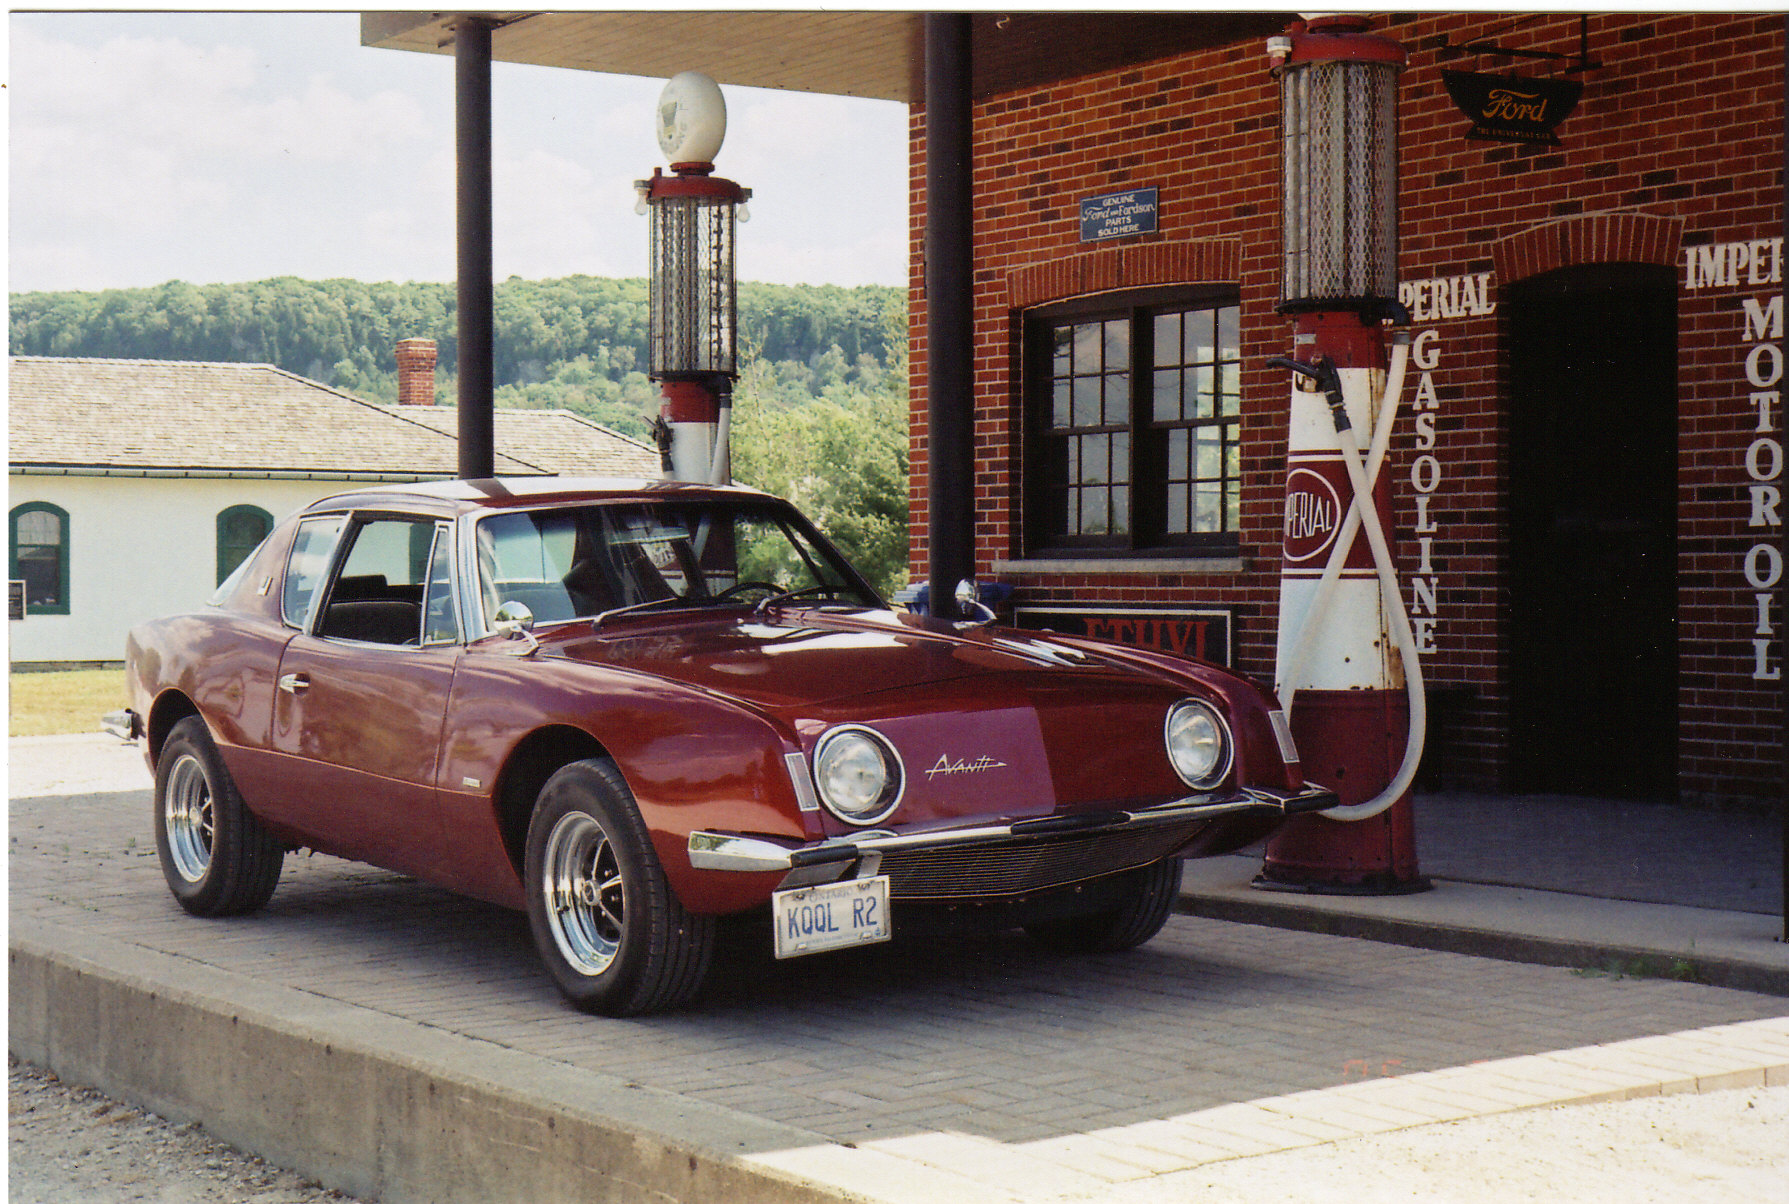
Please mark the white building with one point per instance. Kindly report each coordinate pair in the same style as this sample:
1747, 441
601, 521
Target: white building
137, 485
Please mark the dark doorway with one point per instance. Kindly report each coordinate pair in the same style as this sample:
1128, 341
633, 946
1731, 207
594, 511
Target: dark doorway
1592, 637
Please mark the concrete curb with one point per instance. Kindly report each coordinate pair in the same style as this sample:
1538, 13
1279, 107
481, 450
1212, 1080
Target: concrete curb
397, 1110
392, 1110
1642, 940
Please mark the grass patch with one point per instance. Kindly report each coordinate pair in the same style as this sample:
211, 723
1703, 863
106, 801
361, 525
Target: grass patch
64, 702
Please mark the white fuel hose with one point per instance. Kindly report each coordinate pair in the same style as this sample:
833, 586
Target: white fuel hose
1287, 687
1363, 513
723, 434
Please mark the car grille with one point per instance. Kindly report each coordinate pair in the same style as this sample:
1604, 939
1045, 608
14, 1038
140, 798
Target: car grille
1021, 867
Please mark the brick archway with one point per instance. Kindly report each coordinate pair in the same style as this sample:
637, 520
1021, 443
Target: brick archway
1591, 238
1104, 269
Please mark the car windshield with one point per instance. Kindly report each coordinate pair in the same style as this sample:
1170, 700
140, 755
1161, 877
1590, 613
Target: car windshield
572, 562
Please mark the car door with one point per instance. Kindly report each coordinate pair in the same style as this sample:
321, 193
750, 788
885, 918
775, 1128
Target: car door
362, 691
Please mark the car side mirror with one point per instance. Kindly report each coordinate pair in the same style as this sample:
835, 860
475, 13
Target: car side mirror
514, 621
968, 598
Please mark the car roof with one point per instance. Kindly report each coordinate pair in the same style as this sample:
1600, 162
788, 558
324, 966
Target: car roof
448, 498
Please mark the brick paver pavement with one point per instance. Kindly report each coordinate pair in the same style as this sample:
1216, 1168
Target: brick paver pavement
1082, 1062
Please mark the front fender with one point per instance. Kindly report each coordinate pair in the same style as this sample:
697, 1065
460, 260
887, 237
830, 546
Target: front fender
694, 760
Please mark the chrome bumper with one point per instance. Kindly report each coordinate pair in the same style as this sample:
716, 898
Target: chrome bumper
125, 724
757, 855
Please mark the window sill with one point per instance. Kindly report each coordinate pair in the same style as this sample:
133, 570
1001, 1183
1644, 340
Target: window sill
1123, 566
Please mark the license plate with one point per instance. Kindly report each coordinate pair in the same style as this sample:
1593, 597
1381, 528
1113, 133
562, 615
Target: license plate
835, 915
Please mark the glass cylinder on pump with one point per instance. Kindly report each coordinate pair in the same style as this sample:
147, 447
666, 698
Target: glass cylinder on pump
1339, 167
692, 290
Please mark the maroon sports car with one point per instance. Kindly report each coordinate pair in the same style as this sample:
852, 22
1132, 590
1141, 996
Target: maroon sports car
631, 708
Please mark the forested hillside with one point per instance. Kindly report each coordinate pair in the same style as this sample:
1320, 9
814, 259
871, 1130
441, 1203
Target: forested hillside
579, 342
821, 402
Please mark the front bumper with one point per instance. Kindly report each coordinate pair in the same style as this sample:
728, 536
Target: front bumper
998, 860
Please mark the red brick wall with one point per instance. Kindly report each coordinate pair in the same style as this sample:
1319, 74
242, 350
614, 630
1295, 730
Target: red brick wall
1675, 145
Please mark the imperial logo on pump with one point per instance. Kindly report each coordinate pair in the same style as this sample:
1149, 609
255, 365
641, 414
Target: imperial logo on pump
1313, 514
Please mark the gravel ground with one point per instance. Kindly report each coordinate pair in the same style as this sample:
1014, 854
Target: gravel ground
71, 1145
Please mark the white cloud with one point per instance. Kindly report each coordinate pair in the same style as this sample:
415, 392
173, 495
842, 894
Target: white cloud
220, 147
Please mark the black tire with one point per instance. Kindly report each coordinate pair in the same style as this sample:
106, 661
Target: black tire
1147, 905
216, 856
613, 935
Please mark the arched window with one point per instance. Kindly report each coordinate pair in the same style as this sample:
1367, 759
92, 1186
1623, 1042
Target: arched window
240, 530
39, 539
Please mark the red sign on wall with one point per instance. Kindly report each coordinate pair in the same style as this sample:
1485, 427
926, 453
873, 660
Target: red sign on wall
1203, 634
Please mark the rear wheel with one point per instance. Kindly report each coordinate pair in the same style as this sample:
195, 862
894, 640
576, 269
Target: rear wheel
216, 856
1148, 901
605, 921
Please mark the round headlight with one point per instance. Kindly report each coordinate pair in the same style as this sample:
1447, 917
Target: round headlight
1198, 743
859, 774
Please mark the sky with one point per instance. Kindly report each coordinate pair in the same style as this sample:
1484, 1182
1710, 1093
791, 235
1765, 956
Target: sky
225, 147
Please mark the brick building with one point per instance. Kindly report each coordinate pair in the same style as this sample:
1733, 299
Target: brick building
1587, 468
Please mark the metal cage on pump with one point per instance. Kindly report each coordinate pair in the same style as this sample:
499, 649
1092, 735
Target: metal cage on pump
1339, 156
693, 287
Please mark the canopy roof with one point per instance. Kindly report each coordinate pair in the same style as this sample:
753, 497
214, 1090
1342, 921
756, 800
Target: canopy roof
871, 54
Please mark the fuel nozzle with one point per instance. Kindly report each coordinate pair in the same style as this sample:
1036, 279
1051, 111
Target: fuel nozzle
1322, 374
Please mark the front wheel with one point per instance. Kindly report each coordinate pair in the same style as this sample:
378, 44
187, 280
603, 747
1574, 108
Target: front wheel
604, 919
216, 856
1148, 901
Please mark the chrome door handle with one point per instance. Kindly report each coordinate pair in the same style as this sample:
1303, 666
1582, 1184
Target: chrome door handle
295, 683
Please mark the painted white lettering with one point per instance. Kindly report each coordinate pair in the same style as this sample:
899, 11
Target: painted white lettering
1428, 547
1425, 474
1764, 365
1763, 258
1764, 566
1766, 402
1425, 431
1469, 294
1763, 321
1731, 264
1425, 398
1424, 524
1762, 669
1422, 596
1765, 626
1764, 460
1423, 627
1425, 350
1707, 266
1765, 500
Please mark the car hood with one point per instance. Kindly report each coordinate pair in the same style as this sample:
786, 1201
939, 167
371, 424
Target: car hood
805, 660
1053, 722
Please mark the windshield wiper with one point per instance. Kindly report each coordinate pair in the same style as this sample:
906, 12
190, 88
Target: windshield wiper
789, 595
596, 624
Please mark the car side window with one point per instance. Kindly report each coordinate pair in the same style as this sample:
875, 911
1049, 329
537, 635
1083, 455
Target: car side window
306, 566
377, 598
439, 624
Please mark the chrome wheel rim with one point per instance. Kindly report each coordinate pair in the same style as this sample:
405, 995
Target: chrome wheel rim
189, 818
585, 903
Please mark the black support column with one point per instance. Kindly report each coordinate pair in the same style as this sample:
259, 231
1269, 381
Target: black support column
472, 126
950, 312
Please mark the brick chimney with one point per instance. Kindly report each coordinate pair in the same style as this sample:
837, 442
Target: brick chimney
416, 372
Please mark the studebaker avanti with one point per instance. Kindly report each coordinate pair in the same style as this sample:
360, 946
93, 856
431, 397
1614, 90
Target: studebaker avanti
633, 708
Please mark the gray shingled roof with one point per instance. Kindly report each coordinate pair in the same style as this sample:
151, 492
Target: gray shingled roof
163, 416
557, 440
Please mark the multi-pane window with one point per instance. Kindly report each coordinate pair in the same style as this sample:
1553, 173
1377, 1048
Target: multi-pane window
40, 556
1134, 420
1198, 403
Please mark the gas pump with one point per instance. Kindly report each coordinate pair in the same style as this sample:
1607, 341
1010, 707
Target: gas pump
692, 287
1346, 656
